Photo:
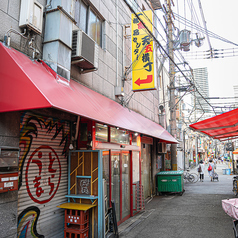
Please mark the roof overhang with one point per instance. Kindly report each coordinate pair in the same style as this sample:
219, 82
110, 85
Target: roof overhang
219, 127
28, 84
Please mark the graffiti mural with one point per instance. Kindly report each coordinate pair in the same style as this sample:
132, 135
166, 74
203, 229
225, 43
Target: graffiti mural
44, 142
29, 129
27, 222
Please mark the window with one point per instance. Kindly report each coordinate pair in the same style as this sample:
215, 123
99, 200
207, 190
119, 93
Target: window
134, 138
88, 21
101, 132
119, 136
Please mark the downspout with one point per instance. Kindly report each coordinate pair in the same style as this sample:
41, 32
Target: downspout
123, 50
117, 81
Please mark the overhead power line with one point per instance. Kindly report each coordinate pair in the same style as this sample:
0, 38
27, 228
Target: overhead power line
214, 53
201, 29
155, 40
204, 23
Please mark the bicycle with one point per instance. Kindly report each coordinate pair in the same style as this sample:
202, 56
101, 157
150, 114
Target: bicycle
235, 185
190, 177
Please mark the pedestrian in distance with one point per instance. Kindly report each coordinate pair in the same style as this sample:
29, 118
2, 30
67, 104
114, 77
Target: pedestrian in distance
201, 170
211, 168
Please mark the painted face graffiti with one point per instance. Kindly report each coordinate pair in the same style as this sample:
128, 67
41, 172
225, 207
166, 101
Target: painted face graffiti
43, 185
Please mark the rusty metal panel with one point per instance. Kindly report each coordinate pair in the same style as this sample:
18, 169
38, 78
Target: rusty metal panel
42, 175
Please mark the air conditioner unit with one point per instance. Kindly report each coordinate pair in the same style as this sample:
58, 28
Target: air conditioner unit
84, 51
162, 147
31, 15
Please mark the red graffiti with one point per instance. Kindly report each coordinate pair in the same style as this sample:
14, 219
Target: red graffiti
45, 162
39, 190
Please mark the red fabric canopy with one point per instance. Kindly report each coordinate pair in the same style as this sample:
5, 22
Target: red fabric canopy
219, 127
27, 84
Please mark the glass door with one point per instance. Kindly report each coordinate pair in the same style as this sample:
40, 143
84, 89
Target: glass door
136, 181
146, 169
125, 184
120, 183
115, 181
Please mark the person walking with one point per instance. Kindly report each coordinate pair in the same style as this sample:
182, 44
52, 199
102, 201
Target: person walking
211, 169
201, 170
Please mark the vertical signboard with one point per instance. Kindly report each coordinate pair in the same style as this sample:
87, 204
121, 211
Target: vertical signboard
143, 77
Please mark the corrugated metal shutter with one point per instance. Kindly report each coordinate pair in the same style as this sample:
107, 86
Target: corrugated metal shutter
42, 175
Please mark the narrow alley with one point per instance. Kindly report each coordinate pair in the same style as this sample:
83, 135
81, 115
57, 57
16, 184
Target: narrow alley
197, 213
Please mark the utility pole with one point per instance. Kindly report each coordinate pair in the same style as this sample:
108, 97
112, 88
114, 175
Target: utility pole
172, 85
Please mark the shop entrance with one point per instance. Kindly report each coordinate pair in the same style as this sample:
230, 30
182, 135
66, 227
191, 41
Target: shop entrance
120, 183
146, 169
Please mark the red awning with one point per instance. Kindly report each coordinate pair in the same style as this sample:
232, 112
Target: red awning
219, 127
28, 84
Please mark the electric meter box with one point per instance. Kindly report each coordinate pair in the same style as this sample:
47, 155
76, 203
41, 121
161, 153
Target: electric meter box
31, 15
9, 157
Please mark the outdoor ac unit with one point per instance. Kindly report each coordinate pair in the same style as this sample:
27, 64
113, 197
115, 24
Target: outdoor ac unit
31, 15
162, 147
84, 51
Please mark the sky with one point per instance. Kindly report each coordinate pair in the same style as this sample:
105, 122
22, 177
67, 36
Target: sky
222, 19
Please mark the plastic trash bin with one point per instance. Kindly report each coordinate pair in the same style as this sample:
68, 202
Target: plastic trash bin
224, 171
170, 181
228, 171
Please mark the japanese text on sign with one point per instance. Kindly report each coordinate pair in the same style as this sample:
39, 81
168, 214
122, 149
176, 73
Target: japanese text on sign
142, 52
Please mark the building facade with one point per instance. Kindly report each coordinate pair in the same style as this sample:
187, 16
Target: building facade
201, 82
71, 129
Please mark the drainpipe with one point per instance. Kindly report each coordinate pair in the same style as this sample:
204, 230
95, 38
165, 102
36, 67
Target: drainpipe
118, 89
117, 43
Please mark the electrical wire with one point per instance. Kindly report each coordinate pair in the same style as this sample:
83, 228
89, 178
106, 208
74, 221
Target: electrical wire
204, 23
165, 53
161, 45
195, 26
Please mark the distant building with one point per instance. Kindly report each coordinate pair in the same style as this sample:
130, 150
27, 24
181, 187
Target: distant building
236, 95
201, 82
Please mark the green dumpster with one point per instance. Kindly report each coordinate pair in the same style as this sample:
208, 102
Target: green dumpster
170, 181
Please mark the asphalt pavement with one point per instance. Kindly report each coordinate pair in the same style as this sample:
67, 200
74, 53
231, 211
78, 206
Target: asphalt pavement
197, 213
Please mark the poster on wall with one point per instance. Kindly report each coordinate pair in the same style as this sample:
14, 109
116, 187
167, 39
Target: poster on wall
159, 162
167, 164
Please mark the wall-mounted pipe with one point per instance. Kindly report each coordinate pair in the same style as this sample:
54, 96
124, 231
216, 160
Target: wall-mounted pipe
7, 37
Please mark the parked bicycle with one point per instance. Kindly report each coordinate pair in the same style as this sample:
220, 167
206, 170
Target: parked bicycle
190, 177
235, 185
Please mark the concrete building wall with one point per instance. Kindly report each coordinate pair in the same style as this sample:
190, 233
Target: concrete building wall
9, 18
104, 80
9, 136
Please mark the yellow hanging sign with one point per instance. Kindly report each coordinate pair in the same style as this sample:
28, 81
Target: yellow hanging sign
143, 77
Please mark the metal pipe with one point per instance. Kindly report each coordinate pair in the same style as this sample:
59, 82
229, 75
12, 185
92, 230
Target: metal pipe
117, 43
7, 37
